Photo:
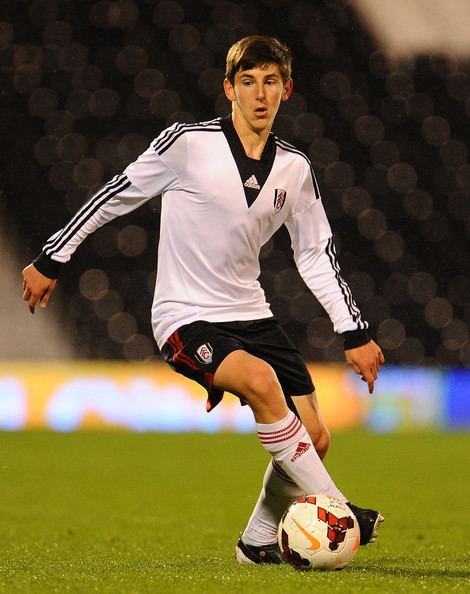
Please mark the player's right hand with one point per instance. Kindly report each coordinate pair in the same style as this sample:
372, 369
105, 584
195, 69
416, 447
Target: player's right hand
37, 288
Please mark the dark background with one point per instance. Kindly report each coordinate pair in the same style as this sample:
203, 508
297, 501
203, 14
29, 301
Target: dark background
85, 86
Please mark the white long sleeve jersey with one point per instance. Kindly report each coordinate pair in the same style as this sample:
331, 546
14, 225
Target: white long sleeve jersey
219, 207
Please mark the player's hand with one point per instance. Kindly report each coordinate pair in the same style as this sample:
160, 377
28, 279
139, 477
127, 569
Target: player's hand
37, 288
366, 361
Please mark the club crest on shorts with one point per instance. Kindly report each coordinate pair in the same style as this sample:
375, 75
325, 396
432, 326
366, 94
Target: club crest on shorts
204, 353
279, 199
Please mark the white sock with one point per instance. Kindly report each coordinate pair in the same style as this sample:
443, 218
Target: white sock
278, 492
293, 451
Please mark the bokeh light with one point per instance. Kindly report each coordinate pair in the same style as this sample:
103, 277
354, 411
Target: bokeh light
45, 150
72, 147
352, 107
42, 102
418, 204
400, 84
438, 312
94, 284
422, 287
339, 176
88, 172
369, 130
391, 334
371, 223
107, 305
384, 153
455, 335
121, 326
453, 153
78, 104
389, 246
402, 177
420, 106
163, 103
168, 14
132, 59
104, 103
335, 85
435, 130
324, 152
132, 241
184, 38
355, 201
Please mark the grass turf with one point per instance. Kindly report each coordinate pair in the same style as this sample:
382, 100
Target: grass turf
137, 513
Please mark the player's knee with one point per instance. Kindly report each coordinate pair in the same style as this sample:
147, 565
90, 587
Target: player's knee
263, 387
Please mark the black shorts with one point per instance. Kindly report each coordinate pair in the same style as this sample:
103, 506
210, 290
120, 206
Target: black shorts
196, 350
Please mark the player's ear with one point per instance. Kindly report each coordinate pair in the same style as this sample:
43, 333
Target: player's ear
287, 90
228, 88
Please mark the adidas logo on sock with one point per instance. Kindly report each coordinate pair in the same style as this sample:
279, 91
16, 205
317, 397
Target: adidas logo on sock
252, 182
302, 447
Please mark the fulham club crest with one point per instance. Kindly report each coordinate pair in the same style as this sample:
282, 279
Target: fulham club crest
204, 354
279, 199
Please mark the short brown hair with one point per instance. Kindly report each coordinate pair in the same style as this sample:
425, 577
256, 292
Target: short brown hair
258, 51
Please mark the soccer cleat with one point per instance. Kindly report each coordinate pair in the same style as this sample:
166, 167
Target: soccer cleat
245, 553
369, 522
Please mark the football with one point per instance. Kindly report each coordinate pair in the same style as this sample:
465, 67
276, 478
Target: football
318, 532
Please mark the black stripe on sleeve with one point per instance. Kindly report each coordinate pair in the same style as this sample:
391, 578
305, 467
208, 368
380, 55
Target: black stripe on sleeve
171, 134
108, 191
345, 290
290, 148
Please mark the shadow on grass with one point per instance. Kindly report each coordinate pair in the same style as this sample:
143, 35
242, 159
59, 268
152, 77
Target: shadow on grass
399, 569
396, 568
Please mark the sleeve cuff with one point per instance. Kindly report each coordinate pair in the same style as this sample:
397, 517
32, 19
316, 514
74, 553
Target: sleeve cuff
355, 338
47, 266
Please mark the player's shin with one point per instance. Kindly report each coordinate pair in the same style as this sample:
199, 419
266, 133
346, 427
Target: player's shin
292, 449
278, 492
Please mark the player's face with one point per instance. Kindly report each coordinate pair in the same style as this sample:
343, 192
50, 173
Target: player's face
256, 95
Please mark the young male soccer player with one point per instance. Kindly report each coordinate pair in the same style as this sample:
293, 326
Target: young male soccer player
227, 185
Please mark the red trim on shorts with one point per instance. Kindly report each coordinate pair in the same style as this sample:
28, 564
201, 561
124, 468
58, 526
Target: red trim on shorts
178, 356
214, 396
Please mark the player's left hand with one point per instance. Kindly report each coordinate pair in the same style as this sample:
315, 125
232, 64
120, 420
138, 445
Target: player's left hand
366, 361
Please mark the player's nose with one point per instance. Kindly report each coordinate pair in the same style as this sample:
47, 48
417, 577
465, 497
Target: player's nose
260, 91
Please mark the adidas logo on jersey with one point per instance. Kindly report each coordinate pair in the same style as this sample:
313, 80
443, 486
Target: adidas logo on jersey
302, 447
252, 182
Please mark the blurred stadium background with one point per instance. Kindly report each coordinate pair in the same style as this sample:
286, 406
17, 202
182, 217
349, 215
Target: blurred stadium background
381, 106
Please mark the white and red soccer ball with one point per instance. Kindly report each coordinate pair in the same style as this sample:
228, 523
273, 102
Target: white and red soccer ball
318, 532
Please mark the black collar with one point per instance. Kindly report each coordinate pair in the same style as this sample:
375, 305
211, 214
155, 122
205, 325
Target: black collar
236, 145
253, 172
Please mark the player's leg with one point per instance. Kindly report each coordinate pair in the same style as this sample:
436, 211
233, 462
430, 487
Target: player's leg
278, 490
255, 382
214, 356
280, 431
257, 543
272, 345
295, 460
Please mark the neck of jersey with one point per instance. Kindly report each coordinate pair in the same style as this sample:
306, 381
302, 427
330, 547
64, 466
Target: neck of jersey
253, 172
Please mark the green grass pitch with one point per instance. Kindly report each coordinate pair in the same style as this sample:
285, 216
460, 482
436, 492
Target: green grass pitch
137, 513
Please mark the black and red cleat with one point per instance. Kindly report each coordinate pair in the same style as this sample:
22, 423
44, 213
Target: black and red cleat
369, 522
268, 554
